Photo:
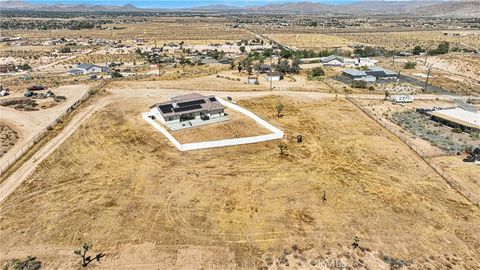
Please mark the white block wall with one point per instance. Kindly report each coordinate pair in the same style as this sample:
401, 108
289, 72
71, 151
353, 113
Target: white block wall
276, 133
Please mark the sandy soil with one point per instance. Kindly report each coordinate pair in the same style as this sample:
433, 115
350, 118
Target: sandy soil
148, 205
29, 123
238, 125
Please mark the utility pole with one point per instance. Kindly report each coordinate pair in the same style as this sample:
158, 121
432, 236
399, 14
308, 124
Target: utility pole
271, 73
393, 58
426, 54
426, 81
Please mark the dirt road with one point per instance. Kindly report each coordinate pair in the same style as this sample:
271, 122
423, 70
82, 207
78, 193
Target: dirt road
30, 123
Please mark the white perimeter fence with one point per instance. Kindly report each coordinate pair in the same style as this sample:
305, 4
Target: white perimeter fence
276, 133
4, 166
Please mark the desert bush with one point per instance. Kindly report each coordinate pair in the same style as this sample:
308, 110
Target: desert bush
410, 65
359, 84
315, 73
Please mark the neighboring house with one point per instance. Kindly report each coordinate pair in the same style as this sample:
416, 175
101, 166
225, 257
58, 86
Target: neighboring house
87, 68
310, 60
402, 99
354, 74
188, 107
273, 76
332, 61
458, 118
76, 71
252, 80
381, 73
359, 62
369, 78
367, 62
263, 68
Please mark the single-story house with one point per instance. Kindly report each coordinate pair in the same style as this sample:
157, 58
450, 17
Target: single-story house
76, 71
369, 78
263, 68
87, 68
252, 80
187, 107
310, 60
332, 61
354, 74
273, 76
458, 118
381, 73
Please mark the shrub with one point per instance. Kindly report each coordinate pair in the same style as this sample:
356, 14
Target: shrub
457, 130
359, 84
316, 72
65, 50
410, 65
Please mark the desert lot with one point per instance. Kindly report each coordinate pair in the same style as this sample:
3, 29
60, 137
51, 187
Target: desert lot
119, 185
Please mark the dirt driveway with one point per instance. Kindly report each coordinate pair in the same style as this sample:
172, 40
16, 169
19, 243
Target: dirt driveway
29, 123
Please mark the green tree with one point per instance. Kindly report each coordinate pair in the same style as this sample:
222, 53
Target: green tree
116, 74
242, 49
316, 72
410, 65
417, 50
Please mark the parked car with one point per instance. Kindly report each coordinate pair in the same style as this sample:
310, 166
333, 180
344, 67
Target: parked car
36, 88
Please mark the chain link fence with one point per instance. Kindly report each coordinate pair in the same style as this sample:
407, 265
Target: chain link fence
473, 198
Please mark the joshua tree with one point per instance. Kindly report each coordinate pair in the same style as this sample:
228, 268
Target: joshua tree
387, 94
355, 243
279, 108
87, 259
283, 148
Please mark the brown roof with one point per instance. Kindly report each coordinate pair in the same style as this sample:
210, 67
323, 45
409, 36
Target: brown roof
271, 74
187, 97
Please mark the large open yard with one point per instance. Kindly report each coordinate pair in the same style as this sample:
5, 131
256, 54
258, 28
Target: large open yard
119, 185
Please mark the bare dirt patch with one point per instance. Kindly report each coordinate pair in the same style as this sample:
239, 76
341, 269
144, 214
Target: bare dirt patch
238, 126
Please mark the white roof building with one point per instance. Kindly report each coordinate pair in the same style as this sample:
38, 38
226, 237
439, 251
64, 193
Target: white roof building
467, 120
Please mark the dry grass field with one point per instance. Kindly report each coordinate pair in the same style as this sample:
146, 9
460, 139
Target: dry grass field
464, 173
311, 41
408, 40
161, 30
118, 184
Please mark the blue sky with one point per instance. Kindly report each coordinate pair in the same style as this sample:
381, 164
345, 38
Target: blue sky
181, 3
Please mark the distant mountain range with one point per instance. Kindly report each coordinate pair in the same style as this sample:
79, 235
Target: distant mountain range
440, 8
